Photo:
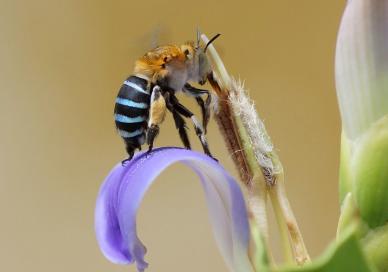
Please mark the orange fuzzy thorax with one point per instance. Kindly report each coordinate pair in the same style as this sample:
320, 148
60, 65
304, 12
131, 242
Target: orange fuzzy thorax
153, 63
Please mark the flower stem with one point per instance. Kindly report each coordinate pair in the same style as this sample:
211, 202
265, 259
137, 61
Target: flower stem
287, 252
286, 218
243, 156
255, 159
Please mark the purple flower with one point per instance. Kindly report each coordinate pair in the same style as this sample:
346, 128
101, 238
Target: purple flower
124, 188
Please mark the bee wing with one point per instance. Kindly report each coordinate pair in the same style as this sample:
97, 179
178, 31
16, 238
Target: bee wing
159, 36
151, 39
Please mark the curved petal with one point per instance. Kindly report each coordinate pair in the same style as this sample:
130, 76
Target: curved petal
362, 65
124, 188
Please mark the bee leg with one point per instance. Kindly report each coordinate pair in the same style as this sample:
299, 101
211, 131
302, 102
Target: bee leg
205, 106
205, 109
197, 125
152, 132
201, 135
130, 150
181, 126
194, 91
180, 123
156, 115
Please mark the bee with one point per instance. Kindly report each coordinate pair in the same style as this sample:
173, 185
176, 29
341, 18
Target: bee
150, 91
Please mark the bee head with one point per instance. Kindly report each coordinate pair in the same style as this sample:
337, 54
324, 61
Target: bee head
198, 63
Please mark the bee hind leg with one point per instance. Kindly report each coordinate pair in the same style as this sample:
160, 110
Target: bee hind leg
131, 151
156, 117
152, 132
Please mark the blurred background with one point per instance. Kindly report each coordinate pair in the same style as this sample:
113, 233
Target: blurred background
61, 65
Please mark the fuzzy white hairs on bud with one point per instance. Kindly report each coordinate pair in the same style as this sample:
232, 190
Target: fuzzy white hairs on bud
258, 136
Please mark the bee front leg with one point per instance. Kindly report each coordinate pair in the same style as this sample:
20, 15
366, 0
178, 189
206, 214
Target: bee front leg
156, 115
205, 105
205, 109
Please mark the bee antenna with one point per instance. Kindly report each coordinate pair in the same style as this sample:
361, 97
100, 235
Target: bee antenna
211, 40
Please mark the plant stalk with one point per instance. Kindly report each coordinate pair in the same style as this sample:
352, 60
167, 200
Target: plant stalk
255, 159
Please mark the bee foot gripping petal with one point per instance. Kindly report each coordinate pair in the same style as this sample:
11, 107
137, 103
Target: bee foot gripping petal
152, 132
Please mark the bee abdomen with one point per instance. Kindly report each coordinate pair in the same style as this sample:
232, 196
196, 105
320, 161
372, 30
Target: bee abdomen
132, 110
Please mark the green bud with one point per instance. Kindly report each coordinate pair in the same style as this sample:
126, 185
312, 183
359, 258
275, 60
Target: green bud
350, 218
369, 171
345, 185
362, 90
376, 247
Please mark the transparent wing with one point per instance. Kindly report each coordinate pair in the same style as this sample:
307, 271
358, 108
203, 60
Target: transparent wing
156, 36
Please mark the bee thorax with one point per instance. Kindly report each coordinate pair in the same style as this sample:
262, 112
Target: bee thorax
177, 79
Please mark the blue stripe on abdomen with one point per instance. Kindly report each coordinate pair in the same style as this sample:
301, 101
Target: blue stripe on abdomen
132, 109
125, 119
133, 134
135, 87
130, 103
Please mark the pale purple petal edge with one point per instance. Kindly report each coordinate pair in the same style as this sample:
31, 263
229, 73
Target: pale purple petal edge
122, 191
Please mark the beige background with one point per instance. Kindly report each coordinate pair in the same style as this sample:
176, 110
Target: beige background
61, 64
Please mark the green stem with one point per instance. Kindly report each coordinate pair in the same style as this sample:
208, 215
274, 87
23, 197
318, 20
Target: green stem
283, 210
257, 204
259, 159
287, 252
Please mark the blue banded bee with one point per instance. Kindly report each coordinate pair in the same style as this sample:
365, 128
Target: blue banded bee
146, 95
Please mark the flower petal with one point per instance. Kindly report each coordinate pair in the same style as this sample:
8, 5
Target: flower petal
124, 188
362, 65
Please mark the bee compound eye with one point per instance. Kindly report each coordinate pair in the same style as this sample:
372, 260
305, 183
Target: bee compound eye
165, 59
187, 52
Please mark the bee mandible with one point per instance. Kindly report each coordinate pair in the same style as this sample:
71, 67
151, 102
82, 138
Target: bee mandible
150, 91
